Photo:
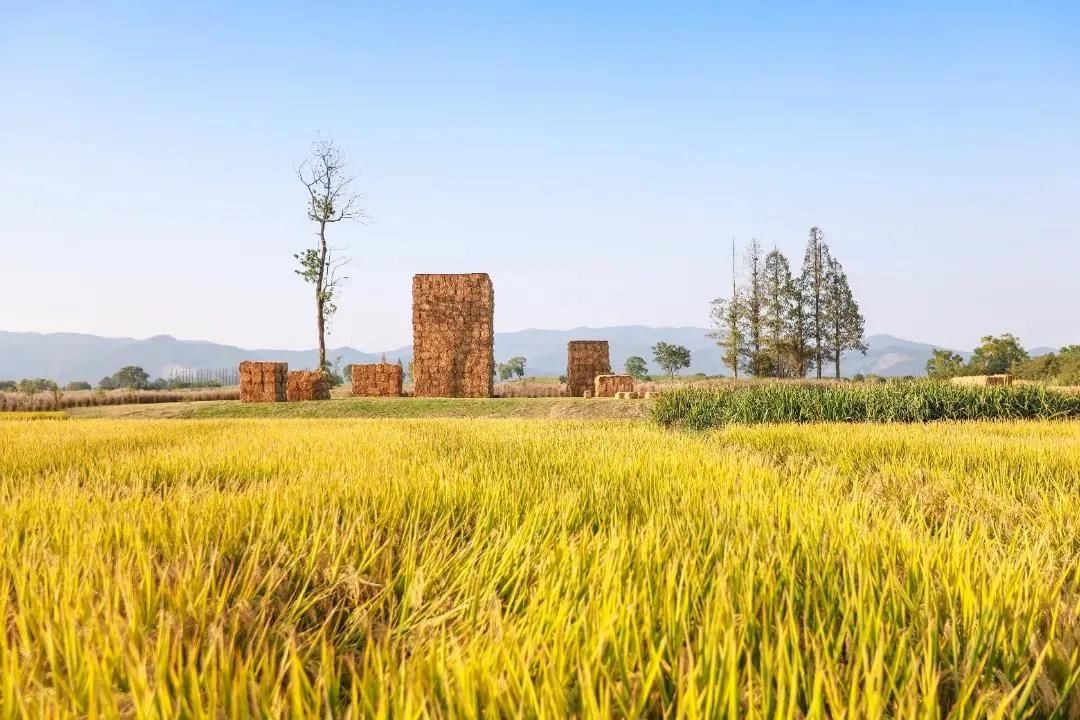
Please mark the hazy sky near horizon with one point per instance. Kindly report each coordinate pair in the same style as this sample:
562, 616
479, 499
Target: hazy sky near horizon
595, 158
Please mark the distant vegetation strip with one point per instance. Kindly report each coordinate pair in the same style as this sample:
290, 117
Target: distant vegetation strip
906, 402
61, 400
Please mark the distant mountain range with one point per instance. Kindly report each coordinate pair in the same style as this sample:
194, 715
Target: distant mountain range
65, 357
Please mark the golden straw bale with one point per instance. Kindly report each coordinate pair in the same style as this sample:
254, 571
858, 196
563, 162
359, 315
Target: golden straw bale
376, 380
609, 385
263, 381
307, 385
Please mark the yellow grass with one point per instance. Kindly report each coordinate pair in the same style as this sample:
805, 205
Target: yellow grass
536, 568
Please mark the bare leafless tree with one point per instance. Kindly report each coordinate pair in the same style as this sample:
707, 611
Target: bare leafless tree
331, 199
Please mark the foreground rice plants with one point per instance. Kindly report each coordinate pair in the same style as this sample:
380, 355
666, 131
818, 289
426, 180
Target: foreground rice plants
413, 568
915, 401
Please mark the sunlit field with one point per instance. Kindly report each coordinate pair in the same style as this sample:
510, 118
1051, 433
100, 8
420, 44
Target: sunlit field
537, 568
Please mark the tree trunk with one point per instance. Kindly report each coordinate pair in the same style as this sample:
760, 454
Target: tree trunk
320, 294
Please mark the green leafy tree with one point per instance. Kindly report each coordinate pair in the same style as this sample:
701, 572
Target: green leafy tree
636, 367
77, 385
516, 366
330, 200
813, 283
844, 323
996, 355
130, 376
944, 364
671, 358
9, 386
32, 386
505, 372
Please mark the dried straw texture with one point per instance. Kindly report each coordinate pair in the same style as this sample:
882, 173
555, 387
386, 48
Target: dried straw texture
263, 381
307, 385
610, 385
585, 359
376, 380
983, 380
453, 335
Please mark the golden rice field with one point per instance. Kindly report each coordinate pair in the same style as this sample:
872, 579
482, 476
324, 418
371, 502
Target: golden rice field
537, 568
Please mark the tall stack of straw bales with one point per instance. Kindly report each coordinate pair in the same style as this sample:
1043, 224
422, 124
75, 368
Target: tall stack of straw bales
263, 381
376, 380
609, 385
585, 359
307, 385
453, 335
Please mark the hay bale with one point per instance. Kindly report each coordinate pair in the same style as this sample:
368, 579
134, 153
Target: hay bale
651, 394
376, 380
307, 385
626, 395
585, 359
611, 385
983, 380
263, 381
453, 335
587, 394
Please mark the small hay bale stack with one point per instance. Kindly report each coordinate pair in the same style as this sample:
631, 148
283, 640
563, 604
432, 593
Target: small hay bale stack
376, 380
585, 359
453, 335
983, 380
612, 385
649, 395
307, 385
263, 381
626, 395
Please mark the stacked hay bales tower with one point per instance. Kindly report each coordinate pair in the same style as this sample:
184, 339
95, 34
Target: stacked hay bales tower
453, 335
376, 380
263, 381
585, 360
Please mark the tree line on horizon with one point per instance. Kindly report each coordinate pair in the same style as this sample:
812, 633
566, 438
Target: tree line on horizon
1005, 354
781, 325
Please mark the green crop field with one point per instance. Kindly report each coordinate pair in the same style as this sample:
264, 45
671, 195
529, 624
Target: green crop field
537, 568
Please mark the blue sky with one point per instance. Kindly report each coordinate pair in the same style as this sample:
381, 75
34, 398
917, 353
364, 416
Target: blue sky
596, 161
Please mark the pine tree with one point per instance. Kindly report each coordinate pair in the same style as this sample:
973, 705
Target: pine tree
726, 316
844, 323
777, 315
800, 354
813, 287
756, 360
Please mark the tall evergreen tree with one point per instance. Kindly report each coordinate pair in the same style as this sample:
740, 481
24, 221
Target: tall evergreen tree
813, 286
800, 354
756, 360
844, 323
726, 316
778, 313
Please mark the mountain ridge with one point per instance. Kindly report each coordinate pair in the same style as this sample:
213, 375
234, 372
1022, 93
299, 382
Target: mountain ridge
68, 356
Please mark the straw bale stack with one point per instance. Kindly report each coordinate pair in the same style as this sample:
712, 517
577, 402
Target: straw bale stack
626, 395
610, 385
376, 380
453, 335
585, 359
307, 385
263, 381
983, 380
